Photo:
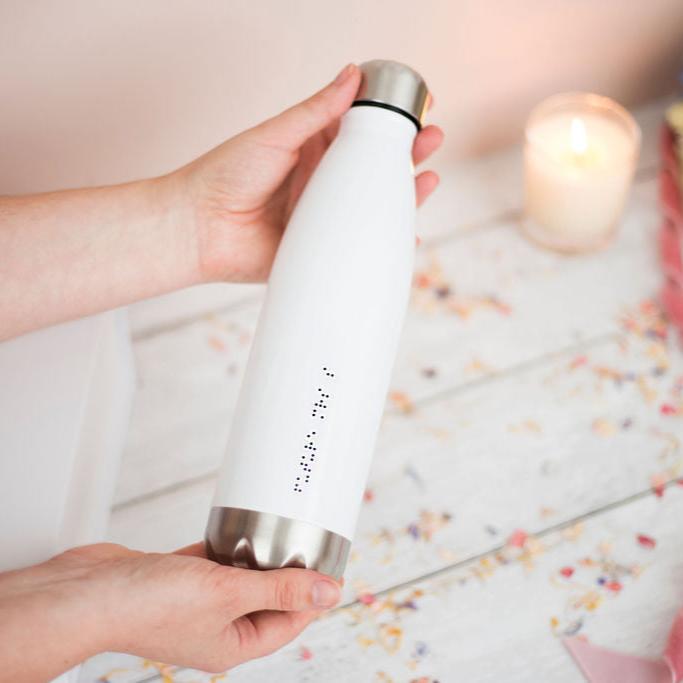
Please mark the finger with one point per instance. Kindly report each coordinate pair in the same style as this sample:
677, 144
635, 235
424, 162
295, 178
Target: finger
290, 129
428, 140
261, 633
284, 589
425, 184
195, 550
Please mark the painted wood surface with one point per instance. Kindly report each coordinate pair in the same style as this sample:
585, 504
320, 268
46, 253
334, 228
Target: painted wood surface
534, 424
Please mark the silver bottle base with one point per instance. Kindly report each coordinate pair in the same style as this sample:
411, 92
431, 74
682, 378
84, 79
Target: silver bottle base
261, 540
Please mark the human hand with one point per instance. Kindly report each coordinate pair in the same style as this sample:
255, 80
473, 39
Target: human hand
239, 196
178, 608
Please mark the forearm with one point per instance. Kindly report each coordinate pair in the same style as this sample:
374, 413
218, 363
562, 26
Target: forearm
67, 254
44, 628
34, 649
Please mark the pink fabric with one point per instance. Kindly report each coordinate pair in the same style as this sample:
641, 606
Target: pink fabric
671, 232
599, 665
673, 655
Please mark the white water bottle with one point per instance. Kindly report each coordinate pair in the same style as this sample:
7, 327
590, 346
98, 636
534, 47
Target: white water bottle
315, 385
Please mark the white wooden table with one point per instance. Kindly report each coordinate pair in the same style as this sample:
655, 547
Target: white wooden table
525, 449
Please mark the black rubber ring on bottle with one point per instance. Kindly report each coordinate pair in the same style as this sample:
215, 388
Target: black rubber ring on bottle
390, 107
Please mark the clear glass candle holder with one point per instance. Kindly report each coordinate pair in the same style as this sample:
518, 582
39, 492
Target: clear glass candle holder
580, 154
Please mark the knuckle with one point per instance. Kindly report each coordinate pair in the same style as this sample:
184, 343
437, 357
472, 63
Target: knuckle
286, 594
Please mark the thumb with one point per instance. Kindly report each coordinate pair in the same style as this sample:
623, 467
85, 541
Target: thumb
290, 129
285, 590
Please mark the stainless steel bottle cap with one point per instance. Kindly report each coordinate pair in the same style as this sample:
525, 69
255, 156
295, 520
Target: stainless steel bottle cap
393, 86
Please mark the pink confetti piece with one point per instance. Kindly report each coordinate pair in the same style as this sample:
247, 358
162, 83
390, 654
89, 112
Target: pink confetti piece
613, 586
518, 538
668, 409
578, 362
646, 541
422, 280
368, 496
305, 654
658, 483
367, 598
567, 572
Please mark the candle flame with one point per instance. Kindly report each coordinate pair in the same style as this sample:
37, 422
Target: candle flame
579, 141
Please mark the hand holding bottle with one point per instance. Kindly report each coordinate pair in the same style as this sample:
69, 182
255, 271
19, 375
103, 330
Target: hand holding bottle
241, 194
179, 608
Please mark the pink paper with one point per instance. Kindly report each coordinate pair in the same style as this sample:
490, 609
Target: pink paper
603, 666
673, 655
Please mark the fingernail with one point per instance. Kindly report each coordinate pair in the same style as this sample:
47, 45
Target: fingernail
325, 594
344, 74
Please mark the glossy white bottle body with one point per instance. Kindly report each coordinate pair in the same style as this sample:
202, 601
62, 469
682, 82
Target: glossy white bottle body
315, 385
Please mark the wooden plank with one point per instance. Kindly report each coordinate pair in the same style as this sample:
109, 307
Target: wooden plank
491, 301
189, 377
457, 475
497, 617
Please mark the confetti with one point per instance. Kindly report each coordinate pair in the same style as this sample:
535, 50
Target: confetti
578, 362
427, 524
477, 366
216, 343
433, 293
529, 426
567, 572
658, 483
646, 541
402, 402
668, 409
604, 427
165, 671
517, 538
305, 654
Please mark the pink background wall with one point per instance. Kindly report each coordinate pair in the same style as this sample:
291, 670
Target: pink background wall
98, 91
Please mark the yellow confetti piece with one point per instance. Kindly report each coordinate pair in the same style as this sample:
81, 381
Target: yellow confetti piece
648, 393
164, 670
390, 637
477, 366
573, 532
604, 427
529, 426
365, 642
591, 600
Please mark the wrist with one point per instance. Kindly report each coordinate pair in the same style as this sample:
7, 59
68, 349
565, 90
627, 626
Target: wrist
172, 207
48, 614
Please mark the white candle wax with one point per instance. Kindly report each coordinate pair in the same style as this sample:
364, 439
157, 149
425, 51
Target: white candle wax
579, 162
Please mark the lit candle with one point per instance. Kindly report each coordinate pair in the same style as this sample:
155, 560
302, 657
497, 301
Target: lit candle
579, 158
